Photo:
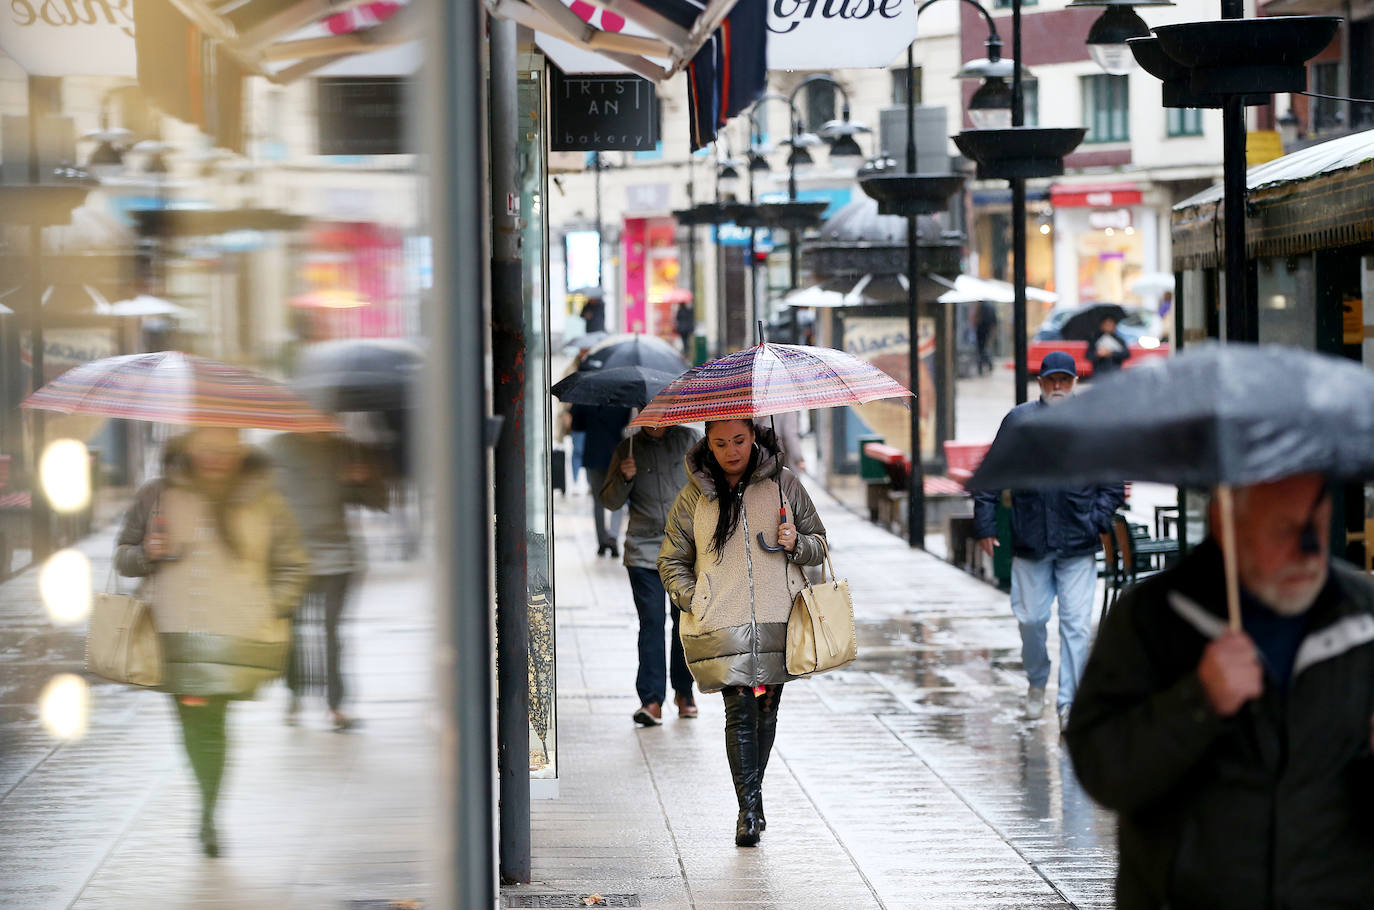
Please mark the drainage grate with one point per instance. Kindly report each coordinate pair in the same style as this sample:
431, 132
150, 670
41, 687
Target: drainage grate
570, 900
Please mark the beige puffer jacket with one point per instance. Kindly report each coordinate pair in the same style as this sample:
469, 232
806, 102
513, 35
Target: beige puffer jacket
735, 609
223, 617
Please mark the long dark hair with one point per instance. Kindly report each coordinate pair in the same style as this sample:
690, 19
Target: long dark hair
730, 502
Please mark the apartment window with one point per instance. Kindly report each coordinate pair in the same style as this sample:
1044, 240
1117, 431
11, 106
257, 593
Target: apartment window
1184, 121
899, 85
820, 105
1326, 113
1006, 4
1106, 109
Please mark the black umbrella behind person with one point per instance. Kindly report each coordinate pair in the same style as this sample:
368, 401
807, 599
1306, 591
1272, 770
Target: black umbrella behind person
630, 350
625, 387
364, 374
1084, 324
1215, 416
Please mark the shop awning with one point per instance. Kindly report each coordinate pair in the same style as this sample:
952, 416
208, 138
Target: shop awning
1094, 195
1320, 196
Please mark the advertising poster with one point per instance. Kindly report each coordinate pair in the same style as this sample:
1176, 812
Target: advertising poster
883, 341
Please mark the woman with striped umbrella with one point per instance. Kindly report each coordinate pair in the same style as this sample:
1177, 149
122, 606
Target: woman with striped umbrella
215, 546
735, 588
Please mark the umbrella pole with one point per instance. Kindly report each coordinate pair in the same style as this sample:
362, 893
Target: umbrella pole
1226, 500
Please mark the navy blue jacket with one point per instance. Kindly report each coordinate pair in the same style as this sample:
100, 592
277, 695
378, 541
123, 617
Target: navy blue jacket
1062, 522
603, 425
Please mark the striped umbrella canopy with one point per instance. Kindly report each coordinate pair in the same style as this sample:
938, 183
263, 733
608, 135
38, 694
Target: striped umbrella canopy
176, 388
769, 379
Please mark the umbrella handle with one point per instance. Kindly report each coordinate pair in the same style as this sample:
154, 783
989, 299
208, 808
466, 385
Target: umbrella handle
782, 517
1226, 501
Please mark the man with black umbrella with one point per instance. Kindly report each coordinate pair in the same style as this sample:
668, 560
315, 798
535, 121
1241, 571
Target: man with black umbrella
1239, 761
1055, 539
646, 471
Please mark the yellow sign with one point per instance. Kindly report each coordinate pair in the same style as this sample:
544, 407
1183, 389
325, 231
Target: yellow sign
1352, 320
1262, 146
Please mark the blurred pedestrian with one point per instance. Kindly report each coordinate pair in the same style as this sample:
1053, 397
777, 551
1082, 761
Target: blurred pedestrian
985, 324
734, 595
320, 475
1239, 763
1055, 536
646, 472
603, 426
685, 321
1107, 350
594, 312
221, 563
788, 427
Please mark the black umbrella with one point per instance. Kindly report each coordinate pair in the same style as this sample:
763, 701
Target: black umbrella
585, 342
626, 387
628, 350
1083, 325
366, 374
1215, 416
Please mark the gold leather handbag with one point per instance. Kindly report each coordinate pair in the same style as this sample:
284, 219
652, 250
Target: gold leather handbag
121, 640
820, 629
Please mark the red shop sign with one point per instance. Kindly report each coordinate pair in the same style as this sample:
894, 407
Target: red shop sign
1097, 197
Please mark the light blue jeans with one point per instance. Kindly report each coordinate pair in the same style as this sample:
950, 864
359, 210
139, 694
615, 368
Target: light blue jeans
1034, 585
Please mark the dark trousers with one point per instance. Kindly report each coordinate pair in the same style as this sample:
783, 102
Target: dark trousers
652, 680
324, 600
204, 733
604, 538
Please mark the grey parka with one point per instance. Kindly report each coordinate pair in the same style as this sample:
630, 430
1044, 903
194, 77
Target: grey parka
658, 478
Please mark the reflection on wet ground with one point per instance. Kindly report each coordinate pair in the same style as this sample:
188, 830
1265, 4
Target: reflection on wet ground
956, 706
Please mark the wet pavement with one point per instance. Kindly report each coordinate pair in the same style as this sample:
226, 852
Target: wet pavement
907, 780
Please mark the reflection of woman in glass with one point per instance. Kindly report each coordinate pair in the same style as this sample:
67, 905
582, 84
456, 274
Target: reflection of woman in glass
735, 597
222, 565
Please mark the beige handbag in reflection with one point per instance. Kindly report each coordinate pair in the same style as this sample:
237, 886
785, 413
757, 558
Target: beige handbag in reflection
820, 629
121, 640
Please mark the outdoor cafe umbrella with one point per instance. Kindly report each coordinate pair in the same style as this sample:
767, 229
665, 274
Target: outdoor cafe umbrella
769, 379
1214, 416
176, 388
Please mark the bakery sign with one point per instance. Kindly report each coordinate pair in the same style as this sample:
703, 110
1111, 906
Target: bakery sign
838, 34
70, 37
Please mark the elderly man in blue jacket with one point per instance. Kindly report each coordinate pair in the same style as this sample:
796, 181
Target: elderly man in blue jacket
1055, 537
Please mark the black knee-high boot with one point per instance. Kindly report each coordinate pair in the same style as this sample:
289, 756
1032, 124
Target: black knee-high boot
768, 731
742, 748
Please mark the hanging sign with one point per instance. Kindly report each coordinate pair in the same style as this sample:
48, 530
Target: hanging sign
838, 34
602, 113
70, 37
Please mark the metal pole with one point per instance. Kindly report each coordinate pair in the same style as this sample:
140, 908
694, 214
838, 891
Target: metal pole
1018, 219
1241, 316
600, 241
508, 401
690, 344
453, 113
793, 263
753, 256
916, 485
40, 510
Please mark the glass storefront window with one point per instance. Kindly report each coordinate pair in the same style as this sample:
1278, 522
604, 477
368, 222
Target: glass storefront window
538, 434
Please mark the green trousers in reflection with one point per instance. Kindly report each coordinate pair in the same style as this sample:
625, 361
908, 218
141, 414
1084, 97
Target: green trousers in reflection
203, 731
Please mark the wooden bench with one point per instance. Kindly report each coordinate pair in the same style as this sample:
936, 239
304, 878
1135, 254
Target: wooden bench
886, 500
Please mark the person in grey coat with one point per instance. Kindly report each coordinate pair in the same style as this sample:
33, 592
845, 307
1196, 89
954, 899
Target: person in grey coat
645, 471
320, 474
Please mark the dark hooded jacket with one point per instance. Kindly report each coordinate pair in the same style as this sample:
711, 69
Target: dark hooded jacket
1270, 809
735, 608
1061, 522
